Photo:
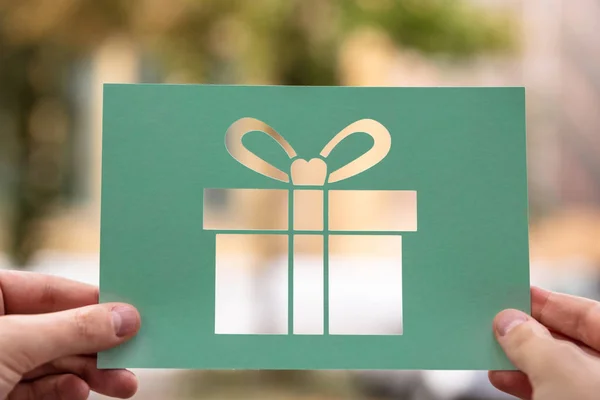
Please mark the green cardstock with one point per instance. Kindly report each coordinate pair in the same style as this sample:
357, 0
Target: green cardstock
461, 150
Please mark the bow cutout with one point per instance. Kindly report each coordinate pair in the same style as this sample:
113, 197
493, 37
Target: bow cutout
308, 172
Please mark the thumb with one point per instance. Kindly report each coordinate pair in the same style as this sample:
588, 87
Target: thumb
530, 346
32, 340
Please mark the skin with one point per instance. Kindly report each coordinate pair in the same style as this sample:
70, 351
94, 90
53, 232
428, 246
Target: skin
556, 349
50, 330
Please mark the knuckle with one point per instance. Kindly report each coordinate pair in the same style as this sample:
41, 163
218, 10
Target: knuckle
527, 342
86, 369
523, 337
86, 324
586, 325
89, 371
48, 296
81, 366
56, 387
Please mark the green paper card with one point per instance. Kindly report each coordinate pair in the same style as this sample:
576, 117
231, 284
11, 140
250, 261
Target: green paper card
274, 227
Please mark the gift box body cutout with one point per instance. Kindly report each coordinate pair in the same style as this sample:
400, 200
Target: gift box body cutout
456, 154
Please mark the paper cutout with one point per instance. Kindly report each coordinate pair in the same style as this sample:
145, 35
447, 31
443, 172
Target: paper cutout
308, 210
381, 147
238, 302
233, 219
400, 217
313, 173
309, 173
456, 154
235, 134
308, 296
315, 168
376, 288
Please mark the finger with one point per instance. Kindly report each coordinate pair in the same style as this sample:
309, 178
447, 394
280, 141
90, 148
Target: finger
114, 383
532, 349
29, 341
57, 387
77, 365
31, 293
572, 316
514, 383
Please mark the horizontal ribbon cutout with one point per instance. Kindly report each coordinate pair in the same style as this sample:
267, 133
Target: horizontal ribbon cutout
308, 172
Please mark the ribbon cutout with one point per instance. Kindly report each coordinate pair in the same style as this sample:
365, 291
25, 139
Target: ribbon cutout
382, 142
234, 136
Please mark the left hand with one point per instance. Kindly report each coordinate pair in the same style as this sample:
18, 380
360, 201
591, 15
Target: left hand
50, 330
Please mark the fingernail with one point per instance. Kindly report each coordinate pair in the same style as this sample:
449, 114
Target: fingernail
125, 320
508, 320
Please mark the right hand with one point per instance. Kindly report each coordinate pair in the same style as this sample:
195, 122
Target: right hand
556, 349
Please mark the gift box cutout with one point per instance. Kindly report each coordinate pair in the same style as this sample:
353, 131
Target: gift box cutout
316, 295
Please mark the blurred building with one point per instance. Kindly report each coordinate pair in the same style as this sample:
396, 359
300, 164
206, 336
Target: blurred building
580, 95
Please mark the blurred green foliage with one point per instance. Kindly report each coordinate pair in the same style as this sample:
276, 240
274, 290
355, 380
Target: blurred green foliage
292, 42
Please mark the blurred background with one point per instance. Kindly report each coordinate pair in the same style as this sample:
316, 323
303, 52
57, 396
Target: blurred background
56, 54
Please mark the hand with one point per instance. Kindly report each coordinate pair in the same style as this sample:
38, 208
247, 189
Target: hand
49, 330
556, 351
